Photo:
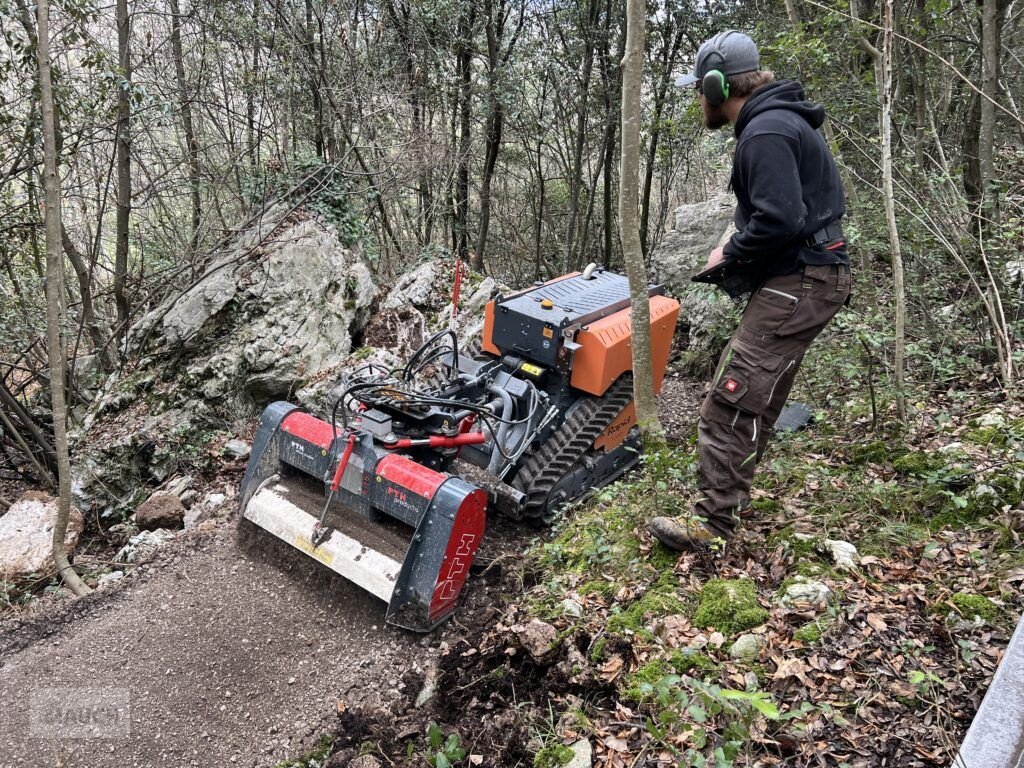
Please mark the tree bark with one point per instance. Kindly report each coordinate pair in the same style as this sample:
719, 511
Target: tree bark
629, 227
124, 166
890, 208
581, 133
496, 60
191, 145
669, 55
55, 299
464, 64
986, 127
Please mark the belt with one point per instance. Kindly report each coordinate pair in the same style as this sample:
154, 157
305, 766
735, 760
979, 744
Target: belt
831, 236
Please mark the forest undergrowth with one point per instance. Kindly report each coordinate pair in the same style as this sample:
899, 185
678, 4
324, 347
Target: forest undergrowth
855, 621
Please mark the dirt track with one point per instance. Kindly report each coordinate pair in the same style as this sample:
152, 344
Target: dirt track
227, 655
225, 658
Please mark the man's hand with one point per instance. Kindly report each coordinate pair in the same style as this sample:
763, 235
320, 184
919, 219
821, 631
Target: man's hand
716, 257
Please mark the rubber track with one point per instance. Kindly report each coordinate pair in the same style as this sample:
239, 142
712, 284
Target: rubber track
567, 445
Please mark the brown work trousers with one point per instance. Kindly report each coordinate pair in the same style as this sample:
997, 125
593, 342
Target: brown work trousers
752, 383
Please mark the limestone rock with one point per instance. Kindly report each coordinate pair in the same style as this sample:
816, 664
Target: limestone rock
699, 229
26, 534
705, 310
844, 554
746, 647
572, 608
400, 330
537, 637
109, 578
582, 754
142, 545
237, 449
804, 594
163, 511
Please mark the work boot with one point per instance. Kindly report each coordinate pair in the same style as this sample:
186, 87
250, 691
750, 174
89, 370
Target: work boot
681, 532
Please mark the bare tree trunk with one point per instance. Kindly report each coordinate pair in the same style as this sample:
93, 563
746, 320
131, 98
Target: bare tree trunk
55, 300
191, 145
669, 56
990, 91
124, 166
890, 208
464, 63
629, 226
581, 133
496, 59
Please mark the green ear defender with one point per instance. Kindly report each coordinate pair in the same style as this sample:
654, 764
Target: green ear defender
715, 87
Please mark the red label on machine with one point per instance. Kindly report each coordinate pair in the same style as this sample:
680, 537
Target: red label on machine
414, 477
467, 530
310, 429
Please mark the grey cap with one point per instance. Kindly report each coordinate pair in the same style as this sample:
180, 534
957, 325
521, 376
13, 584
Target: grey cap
730, 52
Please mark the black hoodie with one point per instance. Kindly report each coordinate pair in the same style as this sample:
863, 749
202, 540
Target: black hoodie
786, 183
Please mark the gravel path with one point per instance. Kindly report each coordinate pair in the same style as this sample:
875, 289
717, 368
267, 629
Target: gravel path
224, 658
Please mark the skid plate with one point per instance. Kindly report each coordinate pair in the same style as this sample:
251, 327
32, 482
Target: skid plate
272, 509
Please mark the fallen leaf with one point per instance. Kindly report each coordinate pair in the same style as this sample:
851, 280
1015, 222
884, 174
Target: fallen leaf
616, 744
612, 668
877, 622
791, 668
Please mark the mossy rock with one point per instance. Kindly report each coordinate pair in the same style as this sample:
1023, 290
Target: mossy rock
813, 631
730, 606
989, 437
970, 605
641, 683
875, 452
766, 505
605, 589
553, 756
918, 463
662, 600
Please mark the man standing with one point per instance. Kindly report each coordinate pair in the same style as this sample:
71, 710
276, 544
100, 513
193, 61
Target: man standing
789, 252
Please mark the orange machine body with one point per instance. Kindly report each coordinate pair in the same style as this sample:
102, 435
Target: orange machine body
606, 352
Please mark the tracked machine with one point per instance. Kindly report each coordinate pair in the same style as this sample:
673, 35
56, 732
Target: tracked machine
392, 489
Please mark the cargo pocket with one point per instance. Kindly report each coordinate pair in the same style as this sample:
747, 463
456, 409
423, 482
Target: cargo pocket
812, 314
747, 377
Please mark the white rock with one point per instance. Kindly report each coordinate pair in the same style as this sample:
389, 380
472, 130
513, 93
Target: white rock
582, 754
429, 689
992, 419
239, 449
746, 647
109, 578
142, 545
571, 608
804, 594
26, 535
699, 228
844, 554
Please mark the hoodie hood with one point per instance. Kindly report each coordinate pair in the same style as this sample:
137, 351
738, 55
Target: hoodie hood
784, 94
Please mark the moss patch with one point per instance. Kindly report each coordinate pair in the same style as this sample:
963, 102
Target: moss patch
552, 757
875, 452
730, 606
812, 632
641, 683
918, 463
975, 605
660, 601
